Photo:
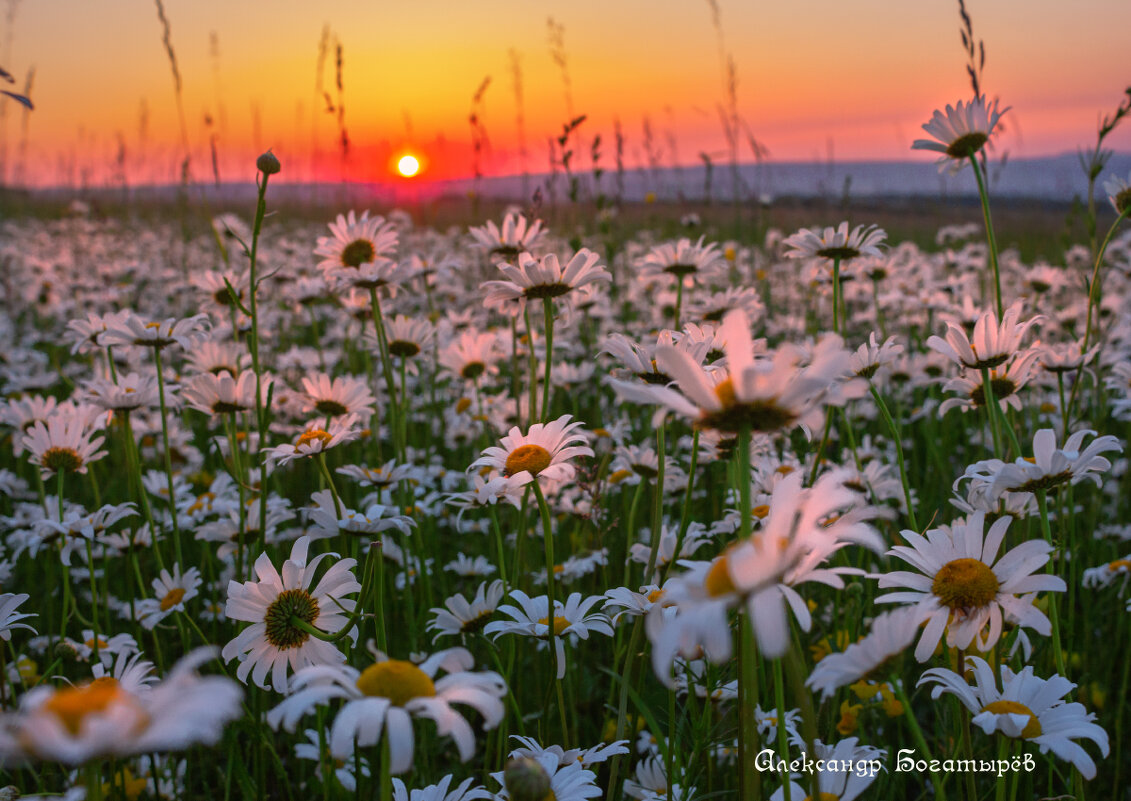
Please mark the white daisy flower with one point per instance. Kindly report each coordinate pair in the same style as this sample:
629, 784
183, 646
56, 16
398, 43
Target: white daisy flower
572, 620
108, 718
960, 132
835, 243
514, 237
542, 452
962, 586
464, 791
10, 618
461, 616
385, 697
992, 343
1026, 707
316, 440
273, 643
836, 784
170, 591
890, 634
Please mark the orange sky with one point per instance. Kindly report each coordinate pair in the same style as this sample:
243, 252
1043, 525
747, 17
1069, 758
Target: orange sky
815, 77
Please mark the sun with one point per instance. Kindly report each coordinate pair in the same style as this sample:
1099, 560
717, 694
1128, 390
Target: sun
408, 166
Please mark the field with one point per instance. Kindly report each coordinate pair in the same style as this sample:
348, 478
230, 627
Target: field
286, 508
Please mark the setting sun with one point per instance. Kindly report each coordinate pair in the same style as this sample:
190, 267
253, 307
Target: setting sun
408, 166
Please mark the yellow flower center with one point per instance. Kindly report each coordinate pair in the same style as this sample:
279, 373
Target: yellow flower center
1032, 728
718, 582
1119, 564
396, 679
101, 643
462, 405
619, 476
760, 511
311, 436
531, 458
560, 624
172, 598
132, 786
71, 705
965, 584
655, 595
824, 797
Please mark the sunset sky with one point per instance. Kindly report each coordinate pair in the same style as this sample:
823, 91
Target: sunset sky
815, 79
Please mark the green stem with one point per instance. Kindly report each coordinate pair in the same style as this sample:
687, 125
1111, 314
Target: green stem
548, 313
168, 456
1054, 616
895, 436
991, 240
551, 581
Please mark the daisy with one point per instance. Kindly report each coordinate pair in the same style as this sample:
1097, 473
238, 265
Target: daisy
339, 396
1005, 382
785, 389
355, 241
464, 565
572, 619
891, 633
343, 768
680, 260
836, 243
1026, 707
128, 393
516, 236
388, 694
488, 491
10, 618
110, 718
218, 357
1119, 193
135, 330
273, 642
64, 444
459, 616
1049, 467
546, 776
220, 393
409, 337
651, 783
315, 440
962, 586
544, 278
621, 601
471, 355
871, 357
440, 792
837, 784
992, 343
544, 451
170, 591
961, 132
329, 519
585, 756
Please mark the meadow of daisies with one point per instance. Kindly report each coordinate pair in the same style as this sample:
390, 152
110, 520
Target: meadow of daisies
365, 509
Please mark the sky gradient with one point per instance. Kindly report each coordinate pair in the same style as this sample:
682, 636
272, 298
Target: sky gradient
816, 79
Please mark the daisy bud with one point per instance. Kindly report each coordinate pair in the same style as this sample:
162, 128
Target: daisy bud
66, 652
268, 163
526, 780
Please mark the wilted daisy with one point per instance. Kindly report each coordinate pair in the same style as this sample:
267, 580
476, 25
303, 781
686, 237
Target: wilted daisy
963, 588
1026, 707
960, 132
544, 451
385, 697
273, 643
110, 718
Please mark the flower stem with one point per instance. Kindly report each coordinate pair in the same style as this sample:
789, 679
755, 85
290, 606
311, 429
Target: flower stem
898, 453
548, 312
551, 617
1054, 616
991, 240
168, 457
